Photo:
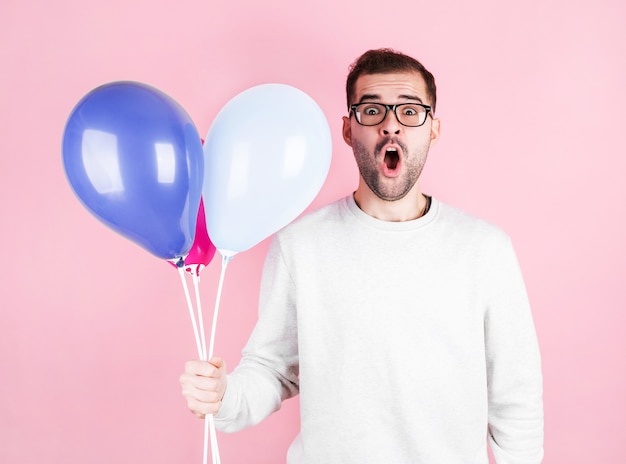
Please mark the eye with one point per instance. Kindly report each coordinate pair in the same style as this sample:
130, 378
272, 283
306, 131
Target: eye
371, 110
410, 110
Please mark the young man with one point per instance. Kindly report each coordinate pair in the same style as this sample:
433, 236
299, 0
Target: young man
403, 323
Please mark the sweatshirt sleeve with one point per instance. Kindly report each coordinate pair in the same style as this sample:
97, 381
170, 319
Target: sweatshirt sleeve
268, 371
513, 364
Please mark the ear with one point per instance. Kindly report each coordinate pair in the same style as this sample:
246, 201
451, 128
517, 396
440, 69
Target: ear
347, 131
435, 129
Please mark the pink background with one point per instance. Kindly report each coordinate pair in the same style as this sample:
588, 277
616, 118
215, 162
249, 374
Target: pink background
94, 331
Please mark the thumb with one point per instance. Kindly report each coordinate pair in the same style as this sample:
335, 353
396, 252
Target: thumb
217, 362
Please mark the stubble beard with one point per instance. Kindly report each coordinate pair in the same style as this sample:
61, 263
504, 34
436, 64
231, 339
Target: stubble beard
389, 189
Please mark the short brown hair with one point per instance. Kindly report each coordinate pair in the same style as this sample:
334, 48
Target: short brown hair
386, 60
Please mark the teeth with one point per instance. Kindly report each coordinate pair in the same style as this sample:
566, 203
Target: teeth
392, 149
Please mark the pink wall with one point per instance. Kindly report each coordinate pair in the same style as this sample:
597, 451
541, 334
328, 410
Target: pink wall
94, 331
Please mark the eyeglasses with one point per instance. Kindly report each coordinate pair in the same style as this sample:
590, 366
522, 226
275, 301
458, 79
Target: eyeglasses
407, 114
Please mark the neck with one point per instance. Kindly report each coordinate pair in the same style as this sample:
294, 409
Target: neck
412, 206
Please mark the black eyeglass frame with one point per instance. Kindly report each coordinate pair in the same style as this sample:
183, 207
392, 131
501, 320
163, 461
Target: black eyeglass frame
393, 108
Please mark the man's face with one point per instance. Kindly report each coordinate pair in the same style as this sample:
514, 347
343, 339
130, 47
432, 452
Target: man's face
390, 156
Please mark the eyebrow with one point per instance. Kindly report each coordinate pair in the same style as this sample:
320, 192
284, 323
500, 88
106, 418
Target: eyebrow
373, 96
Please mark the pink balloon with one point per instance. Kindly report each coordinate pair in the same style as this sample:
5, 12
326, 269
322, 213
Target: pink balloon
202, 250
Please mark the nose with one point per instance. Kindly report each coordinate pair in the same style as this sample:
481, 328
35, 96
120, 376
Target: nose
390, 124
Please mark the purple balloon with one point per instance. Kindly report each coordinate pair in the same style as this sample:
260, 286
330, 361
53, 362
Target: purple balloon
134, 158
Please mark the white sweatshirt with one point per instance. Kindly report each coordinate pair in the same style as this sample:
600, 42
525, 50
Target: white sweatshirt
408, 342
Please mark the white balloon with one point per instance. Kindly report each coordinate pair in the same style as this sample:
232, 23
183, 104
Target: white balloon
267, 155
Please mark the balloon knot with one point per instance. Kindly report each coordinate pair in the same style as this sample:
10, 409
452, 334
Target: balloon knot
180, 262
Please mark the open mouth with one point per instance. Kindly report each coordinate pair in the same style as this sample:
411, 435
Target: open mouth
391, 158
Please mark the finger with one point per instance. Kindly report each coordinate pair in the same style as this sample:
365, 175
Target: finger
201, 368
192, 383
201, 396
202, 409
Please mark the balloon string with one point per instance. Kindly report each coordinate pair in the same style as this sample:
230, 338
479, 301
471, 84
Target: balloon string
225, 261
196, 282
209, 433
205, 451
181, 272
